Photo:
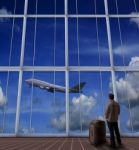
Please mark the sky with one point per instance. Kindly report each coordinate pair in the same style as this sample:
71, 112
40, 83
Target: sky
86, 35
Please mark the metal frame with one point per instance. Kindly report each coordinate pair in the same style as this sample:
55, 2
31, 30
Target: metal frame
110, 47
71, 68
71, 16
65, 68
66, 65
21, 71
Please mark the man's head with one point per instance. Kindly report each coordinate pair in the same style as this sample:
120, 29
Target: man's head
111, 96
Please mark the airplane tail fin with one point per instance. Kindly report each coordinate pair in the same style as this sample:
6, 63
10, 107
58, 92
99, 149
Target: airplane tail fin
78, 88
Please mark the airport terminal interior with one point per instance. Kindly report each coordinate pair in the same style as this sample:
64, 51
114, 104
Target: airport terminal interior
59, 60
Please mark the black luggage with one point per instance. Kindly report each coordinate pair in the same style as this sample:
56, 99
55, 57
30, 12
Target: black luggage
97, 132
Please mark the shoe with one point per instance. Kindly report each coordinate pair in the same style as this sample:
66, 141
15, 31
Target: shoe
120, 145
112, 146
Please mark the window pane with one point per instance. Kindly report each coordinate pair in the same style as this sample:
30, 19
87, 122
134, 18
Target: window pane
49, 42
8, 7
86, 6
48, 105
120, 7
127, 90
46, 7
93, 51
90, 104
8, 99
137, 5
10, 46
125, 49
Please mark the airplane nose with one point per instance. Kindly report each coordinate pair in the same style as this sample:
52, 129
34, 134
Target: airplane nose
27, 81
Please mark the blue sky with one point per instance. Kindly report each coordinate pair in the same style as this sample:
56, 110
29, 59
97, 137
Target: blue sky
48, 108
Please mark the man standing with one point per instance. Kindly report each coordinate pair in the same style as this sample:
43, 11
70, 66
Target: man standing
111, 114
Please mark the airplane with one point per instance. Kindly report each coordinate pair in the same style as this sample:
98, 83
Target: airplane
54, 88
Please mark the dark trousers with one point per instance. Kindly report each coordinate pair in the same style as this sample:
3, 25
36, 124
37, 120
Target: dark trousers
113, 128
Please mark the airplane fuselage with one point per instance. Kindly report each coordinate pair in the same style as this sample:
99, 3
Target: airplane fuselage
49, 87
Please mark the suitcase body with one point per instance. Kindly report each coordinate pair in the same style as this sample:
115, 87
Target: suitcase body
97, 132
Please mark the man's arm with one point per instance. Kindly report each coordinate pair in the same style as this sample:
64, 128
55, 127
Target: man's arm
118, 109
107, 112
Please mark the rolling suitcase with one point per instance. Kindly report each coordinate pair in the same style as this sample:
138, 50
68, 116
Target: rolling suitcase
97, 132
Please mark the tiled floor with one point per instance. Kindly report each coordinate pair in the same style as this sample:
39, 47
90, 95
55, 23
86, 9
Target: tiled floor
61, 144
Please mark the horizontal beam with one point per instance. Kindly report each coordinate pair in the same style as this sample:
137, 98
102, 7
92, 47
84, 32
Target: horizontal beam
88, 68
41, 68
71, 16
45, 16
6, 68
86, 16
104, 16
42, 135
119, 68
70, 68
11, 16
124, 16
63, 135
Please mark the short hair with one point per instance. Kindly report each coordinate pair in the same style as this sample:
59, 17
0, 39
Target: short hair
111, 96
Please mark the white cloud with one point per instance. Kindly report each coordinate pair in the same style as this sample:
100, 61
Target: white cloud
27, 110
86, 103
90, 50
26, 131
4, 11
101, 118
83, 103
135, 20
134, 61
134, 121
128, 91
59, 123
2, 98
95, 94
127, 49
128, 87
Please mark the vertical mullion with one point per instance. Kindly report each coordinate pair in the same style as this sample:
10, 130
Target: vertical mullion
110, 52
21, 66
110, 47
66, 64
